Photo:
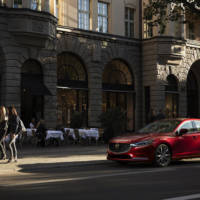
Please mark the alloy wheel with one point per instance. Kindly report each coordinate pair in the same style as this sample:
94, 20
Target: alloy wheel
162, 155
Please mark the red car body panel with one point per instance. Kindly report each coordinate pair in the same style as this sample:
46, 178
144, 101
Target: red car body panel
182, 146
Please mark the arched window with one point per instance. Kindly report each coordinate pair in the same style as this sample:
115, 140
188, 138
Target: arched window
172, 85
118, 89
171, 97
71, 71
72, 87
33, 91
117, 76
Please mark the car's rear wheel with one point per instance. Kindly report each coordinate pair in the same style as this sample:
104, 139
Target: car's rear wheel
162, 155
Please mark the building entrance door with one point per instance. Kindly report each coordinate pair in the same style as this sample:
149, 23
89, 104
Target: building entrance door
192, 95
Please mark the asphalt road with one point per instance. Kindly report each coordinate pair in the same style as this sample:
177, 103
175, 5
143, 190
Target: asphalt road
104, 181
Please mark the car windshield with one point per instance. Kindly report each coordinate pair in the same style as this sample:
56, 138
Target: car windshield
163, 126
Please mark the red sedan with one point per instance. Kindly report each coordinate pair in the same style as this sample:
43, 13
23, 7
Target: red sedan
159, 142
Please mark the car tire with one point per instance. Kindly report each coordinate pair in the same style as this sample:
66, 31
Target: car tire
162, 155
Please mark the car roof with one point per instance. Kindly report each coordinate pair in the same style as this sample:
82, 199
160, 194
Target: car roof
181, 119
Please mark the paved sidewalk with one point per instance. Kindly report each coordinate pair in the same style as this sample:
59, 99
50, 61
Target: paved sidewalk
31, 157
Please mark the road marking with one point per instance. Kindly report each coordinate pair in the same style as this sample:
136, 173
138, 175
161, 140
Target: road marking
188, 197
30, 182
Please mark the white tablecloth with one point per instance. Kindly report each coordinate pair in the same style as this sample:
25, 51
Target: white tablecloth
29, 131
54, 134
84, 133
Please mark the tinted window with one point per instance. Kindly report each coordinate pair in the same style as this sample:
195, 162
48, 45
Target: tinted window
188, 125
197, 125
162, 126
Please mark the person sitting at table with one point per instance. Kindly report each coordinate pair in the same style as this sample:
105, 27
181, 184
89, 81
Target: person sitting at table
41, 133
32, 123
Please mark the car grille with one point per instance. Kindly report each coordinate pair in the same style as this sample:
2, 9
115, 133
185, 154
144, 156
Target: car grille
119, 147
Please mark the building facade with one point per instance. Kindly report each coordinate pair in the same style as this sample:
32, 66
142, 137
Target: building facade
62, 56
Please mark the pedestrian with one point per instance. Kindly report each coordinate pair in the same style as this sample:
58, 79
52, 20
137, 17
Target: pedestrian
41, 133
13, 130
3, 130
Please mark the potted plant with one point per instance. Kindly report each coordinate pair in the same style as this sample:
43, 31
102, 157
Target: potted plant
114, 122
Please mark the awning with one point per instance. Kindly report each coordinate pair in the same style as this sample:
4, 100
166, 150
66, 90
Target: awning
34, 86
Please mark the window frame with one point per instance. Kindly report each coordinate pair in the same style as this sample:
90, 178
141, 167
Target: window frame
129, 21
102, 17
16, 4
84, 15
37, 3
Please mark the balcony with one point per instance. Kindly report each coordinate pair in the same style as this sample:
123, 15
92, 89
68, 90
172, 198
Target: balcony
169, 50
28, 26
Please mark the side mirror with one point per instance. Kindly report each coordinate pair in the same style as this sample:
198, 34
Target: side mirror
182, 131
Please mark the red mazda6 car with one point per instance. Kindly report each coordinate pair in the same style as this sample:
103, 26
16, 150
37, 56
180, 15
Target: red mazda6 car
159, 142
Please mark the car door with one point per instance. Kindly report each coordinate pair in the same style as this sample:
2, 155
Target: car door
184, 145
196, 136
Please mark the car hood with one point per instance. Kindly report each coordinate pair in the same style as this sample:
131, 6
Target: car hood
133, 138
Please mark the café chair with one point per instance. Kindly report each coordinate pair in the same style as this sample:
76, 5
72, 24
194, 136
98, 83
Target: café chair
101, 135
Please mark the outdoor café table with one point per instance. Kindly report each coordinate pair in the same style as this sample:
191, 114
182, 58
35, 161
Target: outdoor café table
54, 134
29, 132
89, 133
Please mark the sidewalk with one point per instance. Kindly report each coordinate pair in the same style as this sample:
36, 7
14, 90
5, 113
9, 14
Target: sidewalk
31, 157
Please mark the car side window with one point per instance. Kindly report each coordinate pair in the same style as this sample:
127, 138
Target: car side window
189, 126
197, 125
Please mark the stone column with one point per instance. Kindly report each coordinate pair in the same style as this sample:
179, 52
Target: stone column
94, 94
95, 87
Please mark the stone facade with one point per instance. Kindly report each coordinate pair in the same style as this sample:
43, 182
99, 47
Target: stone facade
97, 50
25, 35
164, 56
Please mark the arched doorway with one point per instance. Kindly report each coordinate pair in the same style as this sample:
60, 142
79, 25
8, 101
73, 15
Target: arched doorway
171, 97
32, 91
193, 90
72, 88
118, 89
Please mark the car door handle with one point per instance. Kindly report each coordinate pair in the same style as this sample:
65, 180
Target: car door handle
194, 137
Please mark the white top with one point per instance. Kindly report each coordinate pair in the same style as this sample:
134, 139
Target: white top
31, 125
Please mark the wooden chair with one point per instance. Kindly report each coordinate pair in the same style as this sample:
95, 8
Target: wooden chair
101, 137
34, 138
66, 137
77, 137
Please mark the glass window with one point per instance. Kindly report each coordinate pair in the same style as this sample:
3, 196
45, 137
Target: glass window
84, 14
129, 22
197, 124
191, 31
102, 17
72, 92
36, 4
148, 29
171, 97
17, 4
56, 9
188, 126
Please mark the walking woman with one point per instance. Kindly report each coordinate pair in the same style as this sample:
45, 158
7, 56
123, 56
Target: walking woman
3, 130
13, 129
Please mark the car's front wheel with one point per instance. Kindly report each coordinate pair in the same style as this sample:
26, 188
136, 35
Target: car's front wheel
162, 155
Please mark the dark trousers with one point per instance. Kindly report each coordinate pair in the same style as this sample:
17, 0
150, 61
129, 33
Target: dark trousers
3, 146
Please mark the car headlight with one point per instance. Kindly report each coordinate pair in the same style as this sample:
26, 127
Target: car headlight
142, 143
